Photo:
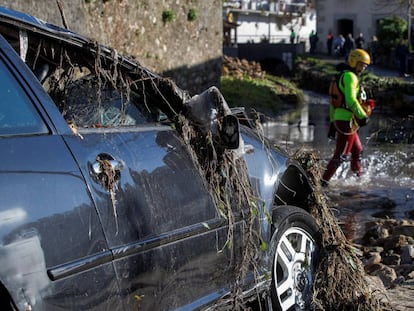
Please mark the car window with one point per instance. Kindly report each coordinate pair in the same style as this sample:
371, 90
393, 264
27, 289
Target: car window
89, 104
18, 116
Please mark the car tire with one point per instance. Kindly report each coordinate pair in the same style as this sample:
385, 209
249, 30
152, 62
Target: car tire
295, 244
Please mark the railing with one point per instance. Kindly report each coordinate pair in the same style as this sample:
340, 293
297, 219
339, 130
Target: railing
243, 38
281, 6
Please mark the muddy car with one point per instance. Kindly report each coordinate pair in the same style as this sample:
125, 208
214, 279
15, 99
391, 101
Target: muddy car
120, 191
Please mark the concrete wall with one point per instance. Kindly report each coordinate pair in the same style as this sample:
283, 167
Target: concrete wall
189, 51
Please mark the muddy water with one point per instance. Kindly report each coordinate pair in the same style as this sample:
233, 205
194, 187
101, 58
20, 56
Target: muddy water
386, 190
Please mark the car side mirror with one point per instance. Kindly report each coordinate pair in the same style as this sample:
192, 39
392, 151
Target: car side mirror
230, 132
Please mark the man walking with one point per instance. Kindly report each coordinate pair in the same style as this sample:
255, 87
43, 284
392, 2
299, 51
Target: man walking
349, 116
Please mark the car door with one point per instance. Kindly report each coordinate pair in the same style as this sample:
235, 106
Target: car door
53, 252
159, 220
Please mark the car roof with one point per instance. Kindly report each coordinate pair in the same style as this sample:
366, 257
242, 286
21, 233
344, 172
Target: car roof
20, 18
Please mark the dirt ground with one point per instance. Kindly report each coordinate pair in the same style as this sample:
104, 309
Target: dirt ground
402, 297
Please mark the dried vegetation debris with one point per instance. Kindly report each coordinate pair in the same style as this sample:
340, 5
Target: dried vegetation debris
340, 282
225, 174
108, 180
240, 68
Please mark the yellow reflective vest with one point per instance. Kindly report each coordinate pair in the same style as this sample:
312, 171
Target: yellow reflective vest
349, 86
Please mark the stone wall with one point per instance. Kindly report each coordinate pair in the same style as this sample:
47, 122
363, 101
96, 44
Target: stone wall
187, 50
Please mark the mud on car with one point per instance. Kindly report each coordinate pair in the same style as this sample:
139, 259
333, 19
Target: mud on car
120, 191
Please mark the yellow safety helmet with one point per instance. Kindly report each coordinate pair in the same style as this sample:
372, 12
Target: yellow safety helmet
358, 55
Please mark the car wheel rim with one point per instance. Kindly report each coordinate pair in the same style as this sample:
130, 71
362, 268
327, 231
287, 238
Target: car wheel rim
293, 269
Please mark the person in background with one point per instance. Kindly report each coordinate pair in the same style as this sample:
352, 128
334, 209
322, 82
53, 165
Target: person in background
373, 47
350, 116
360, 41
292, 36
401, 52
339, 45
349, 45
313, 38
312, 33
329, 42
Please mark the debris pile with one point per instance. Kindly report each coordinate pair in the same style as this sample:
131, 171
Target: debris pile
240, 68
340, 282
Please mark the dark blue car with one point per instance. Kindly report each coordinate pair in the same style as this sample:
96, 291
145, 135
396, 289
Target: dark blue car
106, 204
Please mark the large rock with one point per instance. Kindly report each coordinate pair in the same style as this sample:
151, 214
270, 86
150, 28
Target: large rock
385, 273
407, 254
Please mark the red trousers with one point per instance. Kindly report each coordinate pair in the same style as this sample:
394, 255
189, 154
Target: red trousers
347, 143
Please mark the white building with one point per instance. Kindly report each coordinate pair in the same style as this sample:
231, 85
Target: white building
271, 21
268, 21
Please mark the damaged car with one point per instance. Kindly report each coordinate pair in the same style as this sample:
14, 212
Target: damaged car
121, 191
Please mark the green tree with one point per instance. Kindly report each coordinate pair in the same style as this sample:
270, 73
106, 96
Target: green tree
389, 31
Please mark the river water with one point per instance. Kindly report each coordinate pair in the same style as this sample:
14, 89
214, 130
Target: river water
386, 189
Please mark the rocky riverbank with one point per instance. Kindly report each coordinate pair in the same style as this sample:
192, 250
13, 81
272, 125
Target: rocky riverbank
386, 249
387, 252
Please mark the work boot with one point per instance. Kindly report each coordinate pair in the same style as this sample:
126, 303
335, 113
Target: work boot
356, 167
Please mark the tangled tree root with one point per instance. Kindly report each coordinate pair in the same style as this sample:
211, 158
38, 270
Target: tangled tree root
340, 283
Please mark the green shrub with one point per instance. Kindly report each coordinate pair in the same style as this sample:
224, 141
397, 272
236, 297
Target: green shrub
168, 16
389, 32
192, 15
268, 95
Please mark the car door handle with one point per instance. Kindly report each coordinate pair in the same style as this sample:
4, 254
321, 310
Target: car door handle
116, 165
